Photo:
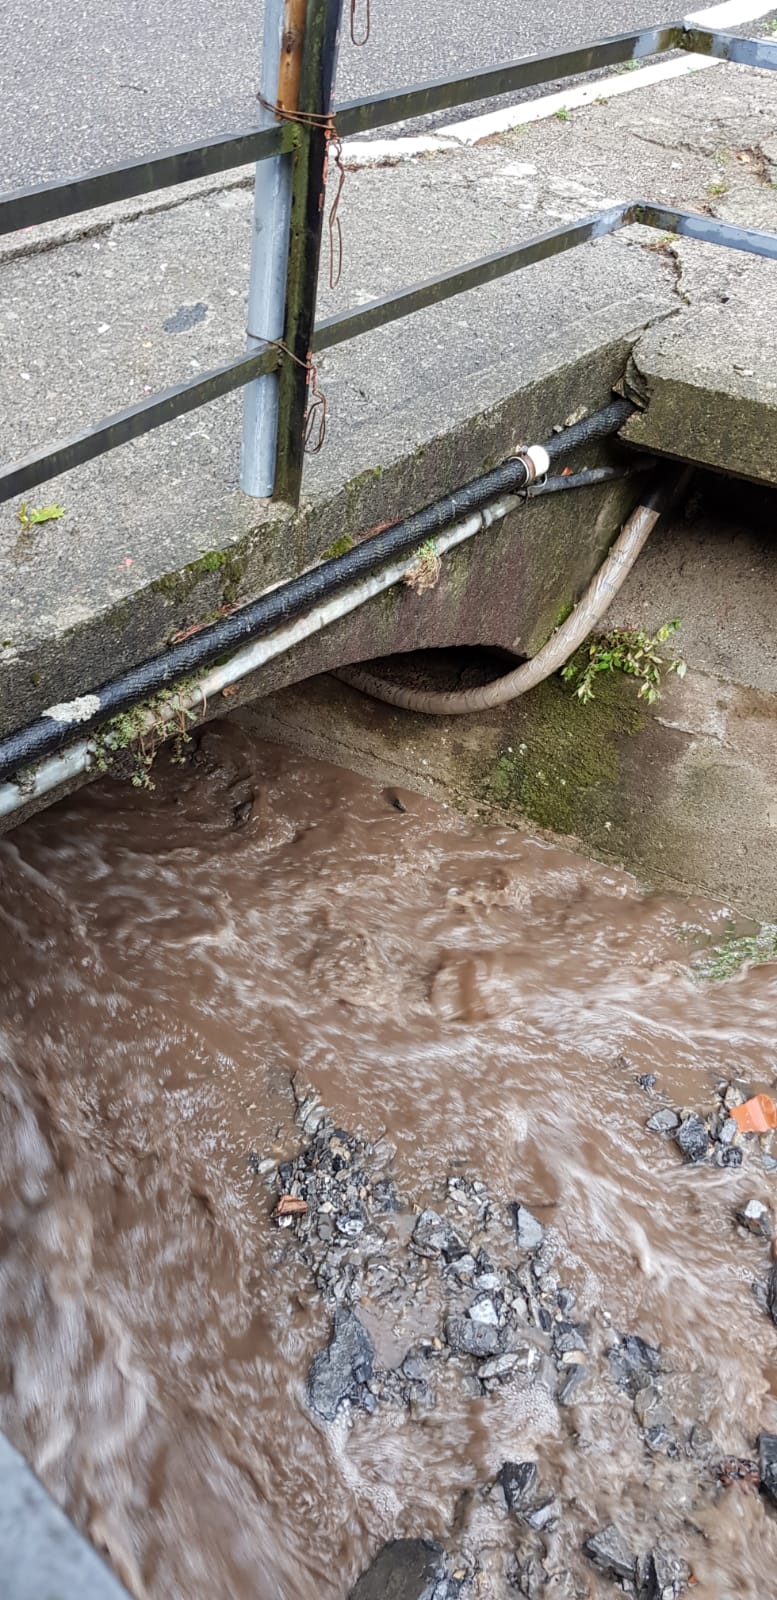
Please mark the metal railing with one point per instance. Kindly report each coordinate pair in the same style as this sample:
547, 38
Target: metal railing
302, 142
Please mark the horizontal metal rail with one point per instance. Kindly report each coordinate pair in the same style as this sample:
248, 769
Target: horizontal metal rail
376, 313
432, 291
40, 465
441, 94
730, 47
22, 476
706, 230
46, 202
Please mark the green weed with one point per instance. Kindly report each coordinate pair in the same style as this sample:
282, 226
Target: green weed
632, 651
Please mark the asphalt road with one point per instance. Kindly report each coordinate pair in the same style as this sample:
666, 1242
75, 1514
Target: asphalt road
86, 82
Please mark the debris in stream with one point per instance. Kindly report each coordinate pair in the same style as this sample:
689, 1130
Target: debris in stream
723, 1134
518, 1480
530, 1232
664, 1121
771, 1294
634, 1363
738, 1469
496, 1315
657, 1575
757, 1115
662, 1576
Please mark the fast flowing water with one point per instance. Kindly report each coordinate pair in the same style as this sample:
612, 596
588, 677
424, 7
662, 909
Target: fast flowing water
175, 967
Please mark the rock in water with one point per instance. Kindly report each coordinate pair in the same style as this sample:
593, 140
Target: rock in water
767, 1464
519, 1483
634, 1363
666, 1576
771, 1293
406, 1569
693, 1138
664, 1121
468, 1338
756, 1217
530, 1232
338, 1373
610, 1553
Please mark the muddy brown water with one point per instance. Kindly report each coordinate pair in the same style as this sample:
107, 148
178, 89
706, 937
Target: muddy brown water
479, 1002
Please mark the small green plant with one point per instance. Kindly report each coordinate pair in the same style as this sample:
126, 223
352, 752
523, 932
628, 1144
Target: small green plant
632, 651
142, 730
563, 114
734, 951
719, 187
29, 516
425, 571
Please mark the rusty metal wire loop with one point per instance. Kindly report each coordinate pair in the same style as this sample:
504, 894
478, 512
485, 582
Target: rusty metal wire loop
315, 410
325, 123
367, 23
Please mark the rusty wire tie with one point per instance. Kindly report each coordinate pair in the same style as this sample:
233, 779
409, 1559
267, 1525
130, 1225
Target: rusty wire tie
325, 123
367, 22
315, 405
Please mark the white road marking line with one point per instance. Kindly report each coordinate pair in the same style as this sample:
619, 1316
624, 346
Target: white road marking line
730, 14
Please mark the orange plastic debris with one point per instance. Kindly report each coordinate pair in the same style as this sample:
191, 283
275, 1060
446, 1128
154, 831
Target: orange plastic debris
757, 1115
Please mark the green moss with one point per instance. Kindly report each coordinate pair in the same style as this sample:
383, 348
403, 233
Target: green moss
338, 547
355, 489
563, 769
177, 586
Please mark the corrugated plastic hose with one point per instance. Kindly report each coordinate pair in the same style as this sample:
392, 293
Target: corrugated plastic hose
561, 645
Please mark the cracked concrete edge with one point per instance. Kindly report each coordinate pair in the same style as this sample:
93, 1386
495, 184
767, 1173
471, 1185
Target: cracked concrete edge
96, 223
683, 415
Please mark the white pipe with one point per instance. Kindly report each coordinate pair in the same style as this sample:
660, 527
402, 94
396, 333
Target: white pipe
80, 758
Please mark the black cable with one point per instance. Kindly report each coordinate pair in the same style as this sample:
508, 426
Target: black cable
46, 735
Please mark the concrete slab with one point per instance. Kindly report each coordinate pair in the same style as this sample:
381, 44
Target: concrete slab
157, 536
708, 382
41, 1554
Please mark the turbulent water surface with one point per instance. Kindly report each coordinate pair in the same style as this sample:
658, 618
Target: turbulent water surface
184, 974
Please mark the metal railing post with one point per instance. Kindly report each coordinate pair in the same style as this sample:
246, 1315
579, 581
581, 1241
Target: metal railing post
284, 22
319, 60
